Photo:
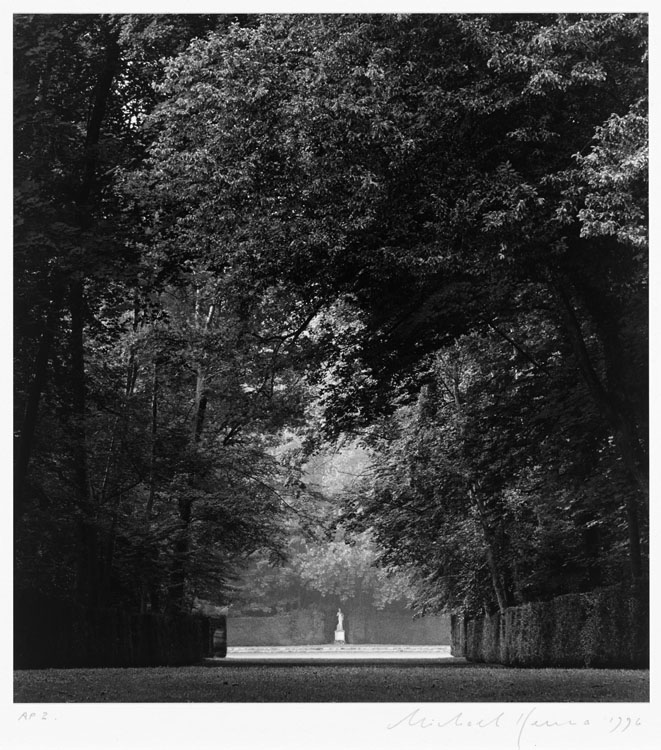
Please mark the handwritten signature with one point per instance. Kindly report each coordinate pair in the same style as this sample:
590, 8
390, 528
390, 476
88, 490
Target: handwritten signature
522, 725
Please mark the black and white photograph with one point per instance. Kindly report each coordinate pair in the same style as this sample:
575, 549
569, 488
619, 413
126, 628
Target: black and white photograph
331, 377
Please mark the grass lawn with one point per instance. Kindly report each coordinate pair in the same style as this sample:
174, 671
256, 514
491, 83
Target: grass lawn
367, 683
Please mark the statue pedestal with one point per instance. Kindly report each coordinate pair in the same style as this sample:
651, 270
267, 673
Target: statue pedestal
339, 636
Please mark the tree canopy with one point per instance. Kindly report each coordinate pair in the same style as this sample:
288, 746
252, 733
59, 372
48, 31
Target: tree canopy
428, 231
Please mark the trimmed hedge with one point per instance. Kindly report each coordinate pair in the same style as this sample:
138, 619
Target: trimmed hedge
53, 633
602, 628
391, 628
312, 626
304, 626
457, 635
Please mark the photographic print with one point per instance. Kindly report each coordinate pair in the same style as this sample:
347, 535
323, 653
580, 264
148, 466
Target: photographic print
331, 364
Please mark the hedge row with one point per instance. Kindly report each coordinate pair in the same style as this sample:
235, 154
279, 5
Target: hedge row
304, 626
603, 628
312, 626
52, 633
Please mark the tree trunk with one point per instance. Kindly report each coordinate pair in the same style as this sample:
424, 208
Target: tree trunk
36, 388
200, 406
40, 370
122, 420
152, 450
497, 579
499, 589
88, 553
612, 405
182, 546
634, 540
101, 95
177, 595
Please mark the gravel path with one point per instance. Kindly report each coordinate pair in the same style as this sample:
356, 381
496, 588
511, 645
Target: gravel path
361, 654
233, 681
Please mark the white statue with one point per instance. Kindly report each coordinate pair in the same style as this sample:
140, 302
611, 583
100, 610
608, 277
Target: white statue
340, 620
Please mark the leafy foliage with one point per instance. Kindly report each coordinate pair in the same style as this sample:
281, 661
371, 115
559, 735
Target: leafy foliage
147, 412
429, 229
474, 522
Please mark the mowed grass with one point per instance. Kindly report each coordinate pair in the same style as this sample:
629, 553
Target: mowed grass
345, 683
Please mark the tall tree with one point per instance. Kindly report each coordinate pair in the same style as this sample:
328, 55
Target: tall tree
420, 178
89, 317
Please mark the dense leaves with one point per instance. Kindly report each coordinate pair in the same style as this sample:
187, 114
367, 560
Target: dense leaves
149, 393
483, 526
427, 229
